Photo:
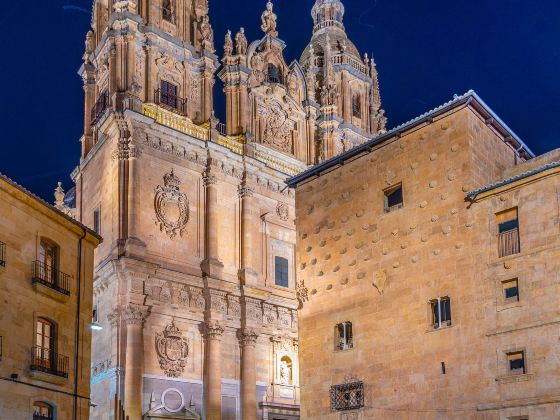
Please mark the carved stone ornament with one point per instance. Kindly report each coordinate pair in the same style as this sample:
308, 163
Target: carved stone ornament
302, 293
171, 206
380, 281
172, 350
282, 211
277, 125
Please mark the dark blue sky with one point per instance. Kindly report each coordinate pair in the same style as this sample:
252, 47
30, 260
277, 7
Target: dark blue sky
426, 51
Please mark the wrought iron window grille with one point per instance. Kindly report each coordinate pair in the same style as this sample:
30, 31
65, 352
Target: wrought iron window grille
349, 396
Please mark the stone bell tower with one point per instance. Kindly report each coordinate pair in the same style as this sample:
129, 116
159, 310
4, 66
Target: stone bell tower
195, 286
344, 86
148, 51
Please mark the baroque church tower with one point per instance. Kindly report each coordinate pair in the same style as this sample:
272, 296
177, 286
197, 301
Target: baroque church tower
195, 280
314, 109
195, 284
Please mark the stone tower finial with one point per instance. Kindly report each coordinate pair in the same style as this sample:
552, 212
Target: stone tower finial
268, 19
228, 44
241, 42
327, 14
59, 195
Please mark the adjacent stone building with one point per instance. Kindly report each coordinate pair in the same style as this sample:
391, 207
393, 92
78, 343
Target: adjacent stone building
195, 282
46, 283
430, 259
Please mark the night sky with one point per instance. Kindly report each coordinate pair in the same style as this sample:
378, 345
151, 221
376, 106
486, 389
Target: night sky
508, 51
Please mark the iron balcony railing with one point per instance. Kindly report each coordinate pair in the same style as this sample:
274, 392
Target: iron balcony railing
40, 417
2, 254
508, 243
99, 108
48, 361
170, 101
349, 396
50, 277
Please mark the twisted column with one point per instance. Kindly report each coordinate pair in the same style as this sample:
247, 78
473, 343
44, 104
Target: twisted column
134, 317
213, 366
248, 340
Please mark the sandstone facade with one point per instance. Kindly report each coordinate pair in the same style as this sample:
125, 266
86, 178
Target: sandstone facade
195, 282
383, 269
46, 272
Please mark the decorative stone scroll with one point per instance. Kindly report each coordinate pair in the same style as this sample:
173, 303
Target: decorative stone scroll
172, 350
171, 206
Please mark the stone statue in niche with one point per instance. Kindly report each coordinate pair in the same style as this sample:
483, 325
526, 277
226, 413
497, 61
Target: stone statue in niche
172, 350
285, 371
171, 206
228, 44
292, 84
268, 19
257, 65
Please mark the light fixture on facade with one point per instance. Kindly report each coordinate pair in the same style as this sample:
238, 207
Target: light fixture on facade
95, 326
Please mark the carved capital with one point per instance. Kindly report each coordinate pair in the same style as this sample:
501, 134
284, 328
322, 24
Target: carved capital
244, 191
114, 317
248, 337
135, 314
213, 330
208, 179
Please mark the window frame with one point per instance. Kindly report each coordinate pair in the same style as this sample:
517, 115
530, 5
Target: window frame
387, 192
168, 14
97, 220
278, 258
436, 322
512, 299
166, 97
43, 404
343, 336
519, 371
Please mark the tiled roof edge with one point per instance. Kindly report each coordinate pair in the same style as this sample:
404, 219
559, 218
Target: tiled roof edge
506, 181
456, 101
48, 205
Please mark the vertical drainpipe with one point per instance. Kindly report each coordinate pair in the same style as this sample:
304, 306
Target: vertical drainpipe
77, 327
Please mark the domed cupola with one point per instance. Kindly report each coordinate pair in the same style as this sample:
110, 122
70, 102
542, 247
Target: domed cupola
327, 14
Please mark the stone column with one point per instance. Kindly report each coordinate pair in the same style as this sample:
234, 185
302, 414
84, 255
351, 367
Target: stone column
248, 340
213, 370
134, 317
89, 102
211, 265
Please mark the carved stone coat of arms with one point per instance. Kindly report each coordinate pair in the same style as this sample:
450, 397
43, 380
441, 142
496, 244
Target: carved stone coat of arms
172, 350
171, 206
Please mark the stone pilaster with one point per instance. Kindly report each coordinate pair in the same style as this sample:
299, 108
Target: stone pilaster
134, 316
211, 266
248, 341
213, 332
249, 223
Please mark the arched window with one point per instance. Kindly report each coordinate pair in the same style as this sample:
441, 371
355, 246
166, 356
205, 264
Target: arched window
42, 411
45, 340
356, 106
168, 11
274, 75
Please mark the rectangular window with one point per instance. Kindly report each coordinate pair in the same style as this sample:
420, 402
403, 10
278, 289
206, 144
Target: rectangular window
393, 198
508, 233
97, 220
348, 396
516, 362
440, 310
343, 336
168, 94
511, 290
281, 276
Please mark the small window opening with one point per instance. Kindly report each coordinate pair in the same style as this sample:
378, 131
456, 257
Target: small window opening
516, 362
440, 312
393, 198
343, 336
97, 220
511, 290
